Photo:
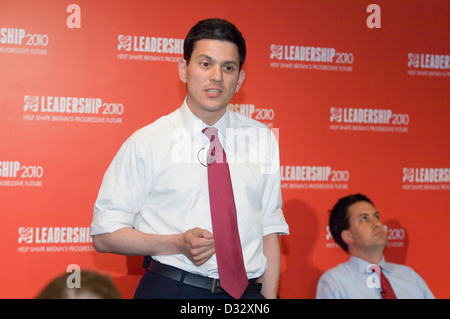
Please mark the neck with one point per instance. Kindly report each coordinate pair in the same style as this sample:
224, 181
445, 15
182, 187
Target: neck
371, 256
208, 116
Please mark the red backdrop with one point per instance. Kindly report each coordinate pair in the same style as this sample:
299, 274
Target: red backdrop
360, 95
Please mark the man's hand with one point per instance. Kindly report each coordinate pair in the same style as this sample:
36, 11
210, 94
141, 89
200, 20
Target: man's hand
198, 245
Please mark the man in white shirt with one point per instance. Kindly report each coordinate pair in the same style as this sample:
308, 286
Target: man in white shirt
154, 198
356, 226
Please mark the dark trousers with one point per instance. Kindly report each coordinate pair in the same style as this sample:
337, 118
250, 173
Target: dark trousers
154, 286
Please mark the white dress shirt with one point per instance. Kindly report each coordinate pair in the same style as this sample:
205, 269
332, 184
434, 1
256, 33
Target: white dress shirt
353, 280
158, 184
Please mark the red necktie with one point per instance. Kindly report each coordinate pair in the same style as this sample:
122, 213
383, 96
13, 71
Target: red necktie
386, 290
232, 275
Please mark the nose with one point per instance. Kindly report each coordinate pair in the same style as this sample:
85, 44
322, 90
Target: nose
216, 74
377, 223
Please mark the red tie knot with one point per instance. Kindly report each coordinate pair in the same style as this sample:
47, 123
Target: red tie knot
211, 133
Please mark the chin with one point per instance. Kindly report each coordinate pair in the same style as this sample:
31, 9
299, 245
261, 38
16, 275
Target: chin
214, 107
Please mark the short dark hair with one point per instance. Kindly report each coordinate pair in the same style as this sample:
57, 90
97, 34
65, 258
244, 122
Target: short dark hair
339, 219
92, 286
214, 29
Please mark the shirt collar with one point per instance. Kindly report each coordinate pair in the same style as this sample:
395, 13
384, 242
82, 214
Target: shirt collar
360, 266
224, 123
189, 121
195, 125
385, 265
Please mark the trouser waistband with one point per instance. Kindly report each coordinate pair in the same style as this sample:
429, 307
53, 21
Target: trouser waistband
198, 281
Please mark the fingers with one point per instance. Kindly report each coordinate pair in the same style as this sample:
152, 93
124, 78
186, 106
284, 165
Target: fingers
202, 255
199, 245
200, 232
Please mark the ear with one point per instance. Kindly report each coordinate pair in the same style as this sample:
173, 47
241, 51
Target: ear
182, 66
347, 236
240, 80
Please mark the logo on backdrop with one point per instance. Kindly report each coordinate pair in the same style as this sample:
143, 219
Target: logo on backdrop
425, 64
54, 239
20, 41
145, 48
16, 174
368, 119
310, 58
313, 177
426, 179
71, 109
265, 115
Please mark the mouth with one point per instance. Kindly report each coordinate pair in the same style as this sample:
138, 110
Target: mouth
213, 92
379, 233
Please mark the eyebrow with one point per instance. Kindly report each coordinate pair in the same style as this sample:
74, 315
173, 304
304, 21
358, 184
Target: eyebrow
375, 213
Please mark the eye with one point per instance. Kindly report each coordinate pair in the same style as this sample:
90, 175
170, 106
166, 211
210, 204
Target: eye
205, 64
363, 218
228, 68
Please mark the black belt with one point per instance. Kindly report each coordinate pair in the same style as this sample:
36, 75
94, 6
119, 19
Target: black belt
199, 281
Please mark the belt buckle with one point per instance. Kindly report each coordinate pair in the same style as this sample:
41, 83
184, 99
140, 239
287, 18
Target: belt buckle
215, 285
